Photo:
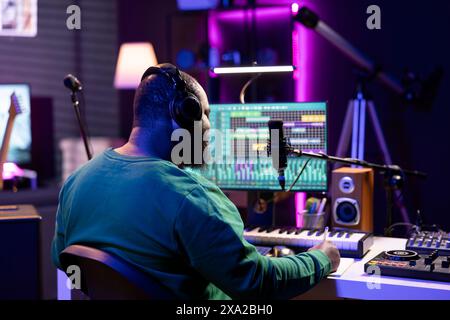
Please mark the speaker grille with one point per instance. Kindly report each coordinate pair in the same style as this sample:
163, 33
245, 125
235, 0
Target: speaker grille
346, 212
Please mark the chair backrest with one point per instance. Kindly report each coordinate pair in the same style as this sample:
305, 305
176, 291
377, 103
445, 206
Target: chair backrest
108, 277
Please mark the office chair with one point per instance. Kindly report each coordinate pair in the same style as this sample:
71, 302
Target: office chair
107, 277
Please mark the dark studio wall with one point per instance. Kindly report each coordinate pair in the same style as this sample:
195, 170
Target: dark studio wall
90, 54
141, 20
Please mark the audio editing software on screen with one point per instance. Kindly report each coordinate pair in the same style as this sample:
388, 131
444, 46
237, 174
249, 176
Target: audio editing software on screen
238, 145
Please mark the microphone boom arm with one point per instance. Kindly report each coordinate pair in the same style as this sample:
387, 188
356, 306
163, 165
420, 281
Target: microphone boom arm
357, 162
421, 92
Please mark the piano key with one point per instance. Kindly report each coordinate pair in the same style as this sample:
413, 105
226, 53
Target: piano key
306, 238
251, 232
320, 233
283, 230
291, 230
332, 234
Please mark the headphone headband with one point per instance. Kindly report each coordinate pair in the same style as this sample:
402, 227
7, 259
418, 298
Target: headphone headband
185, 108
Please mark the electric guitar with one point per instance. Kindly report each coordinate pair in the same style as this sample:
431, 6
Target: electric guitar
14, 109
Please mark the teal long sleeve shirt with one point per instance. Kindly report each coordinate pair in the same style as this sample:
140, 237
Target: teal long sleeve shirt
178, 227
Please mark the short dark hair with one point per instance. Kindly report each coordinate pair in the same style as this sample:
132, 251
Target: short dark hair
152, 97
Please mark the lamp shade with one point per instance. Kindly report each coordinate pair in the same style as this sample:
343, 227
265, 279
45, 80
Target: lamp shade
133, 60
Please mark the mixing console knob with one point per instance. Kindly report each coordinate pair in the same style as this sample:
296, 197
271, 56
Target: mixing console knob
445, 264
412, 263
431, 257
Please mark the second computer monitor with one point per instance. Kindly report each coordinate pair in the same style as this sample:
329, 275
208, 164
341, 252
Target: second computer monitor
238, 145
20, 144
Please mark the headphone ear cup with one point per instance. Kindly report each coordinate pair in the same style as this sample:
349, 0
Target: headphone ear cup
185, 110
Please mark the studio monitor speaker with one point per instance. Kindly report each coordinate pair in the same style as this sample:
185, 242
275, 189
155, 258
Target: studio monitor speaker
352, 199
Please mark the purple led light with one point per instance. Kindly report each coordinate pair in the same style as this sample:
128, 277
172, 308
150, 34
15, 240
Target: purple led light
260, 13
11, 170
300, 200
298, 51
214, 30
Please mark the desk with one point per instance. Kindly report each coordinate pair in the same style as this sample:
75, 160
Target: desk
354, 283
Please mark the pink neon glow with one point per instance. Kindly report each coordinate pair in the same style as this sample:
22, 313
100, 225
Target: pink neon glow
11, 170
300, 200
296, 60
301, 52
213, 29
212, 74
301, 57
244, 3
240, 14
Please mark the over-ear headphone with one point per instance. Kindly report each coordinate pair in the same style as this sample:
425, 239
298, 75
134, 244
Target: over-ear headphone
184, 108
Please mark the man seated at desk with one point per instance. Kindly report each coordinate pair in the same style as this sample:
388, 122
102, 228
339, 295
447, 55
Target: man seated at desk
136, 203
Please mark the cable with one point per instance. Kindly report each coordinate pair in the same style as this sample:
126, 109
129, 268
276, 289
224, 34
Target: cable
390, 228
246, 85
299, 174
291, 186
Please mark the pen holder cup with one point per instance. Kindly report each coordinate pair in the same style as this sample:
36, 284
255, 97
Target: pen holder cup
312, 220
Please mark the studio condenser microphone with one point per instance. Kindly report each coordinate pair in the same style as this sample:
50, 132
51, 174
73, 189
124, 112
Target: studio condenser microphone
278, 149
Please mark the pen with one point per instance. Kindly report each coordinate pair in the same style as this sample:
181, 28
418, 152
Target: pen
312, 209
322, 205
325, 234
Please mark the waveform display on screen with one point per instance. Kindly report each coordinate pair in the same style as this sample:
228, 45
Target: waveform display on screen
238, 145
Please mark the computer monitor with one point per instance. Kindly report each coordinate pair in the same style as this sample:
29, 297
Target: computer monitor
239, 154
20, 143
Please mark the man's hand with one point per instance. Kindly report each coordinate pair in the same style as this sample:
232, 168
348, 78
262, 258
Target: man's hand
331, 251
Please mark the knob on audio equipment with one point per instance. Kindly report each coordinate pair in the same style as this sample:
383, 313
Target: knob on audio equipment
401, 255
410, 264
446, 263
431, 257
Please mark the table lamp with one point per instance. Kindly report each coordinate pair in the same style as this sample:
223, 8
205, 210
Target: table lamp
133, 60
